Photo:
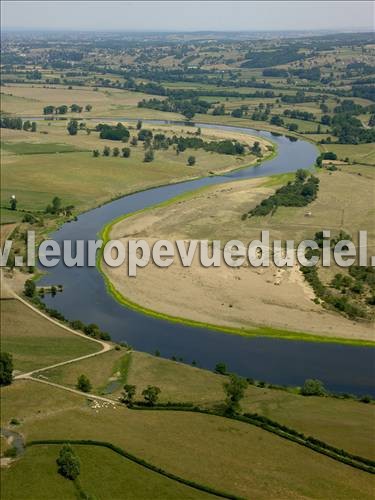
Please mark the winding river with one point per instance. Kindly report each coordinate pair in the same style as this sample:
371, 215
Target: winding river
343, 368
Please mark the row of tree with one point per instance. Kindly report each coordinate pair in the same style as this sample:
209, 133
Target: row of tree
63, 109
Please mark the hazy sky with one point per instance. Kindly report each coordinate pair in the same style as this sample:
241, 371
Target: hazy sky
187, 15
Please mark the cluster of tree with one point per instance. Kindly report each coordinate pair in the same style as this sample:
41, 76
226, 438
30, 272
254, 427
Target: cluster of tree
297, 98
349, 130
225, 146
187, 107
338, 302
302, 191
113, 132
275, 72
359, 68
68, 463
262, 112
300, 115
360, 282
312, 74
328, 155
57, 208
63, 109
125, 152
33, 75
262, 59
17, 124
350, 107
364, 91
150, 395
91, 330
6, 368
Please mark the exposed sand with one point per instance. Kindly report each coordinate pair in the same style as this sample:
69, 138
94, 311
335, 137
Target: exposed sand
243, 297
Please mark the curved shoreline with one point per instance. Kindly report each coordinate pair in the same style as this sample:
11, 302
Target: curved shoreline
257, 331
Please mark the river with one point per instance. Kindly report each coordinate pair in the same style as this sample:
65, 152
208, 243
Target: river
342, 368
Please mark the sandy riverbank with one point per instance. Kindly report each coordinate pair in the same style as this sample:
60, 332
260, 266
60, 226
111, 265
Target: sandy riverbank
242, 298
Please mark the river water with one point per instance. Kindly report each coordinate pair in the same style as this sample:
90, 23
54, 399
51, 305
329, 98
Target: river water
342, 368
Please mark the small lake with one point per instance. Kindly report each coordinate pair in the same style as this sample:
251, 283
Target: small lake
343, 368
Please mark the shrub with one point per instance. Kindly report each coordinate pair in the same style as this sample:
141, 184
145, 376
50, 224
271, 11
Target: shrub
83, 383
6, 368
313, 387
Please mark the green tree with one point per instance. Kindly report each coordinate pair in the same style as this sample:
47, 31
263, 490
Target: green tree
75, 108
191, 161
26, 125
72, 127
48, 110
149, 156
126, 152
128, 394
88, 107
29, 288
235, 391
293, 127
56, 205
6, 368
256, 149
134, 141
151, 394
95, 153
13, 203
68, 463
277, 120
83, 383
106, 151
116, 152
139, 124
313, 387
221, 368
33, 127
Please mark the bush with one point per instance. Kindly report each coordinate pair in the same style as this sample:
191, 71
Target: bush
149, 156
6, 368
10, 452
29, 288
83, 383
313, 387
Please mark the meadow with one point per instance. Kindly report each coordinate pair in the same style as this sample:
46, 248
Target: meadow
35, 342
37, 471
53, 414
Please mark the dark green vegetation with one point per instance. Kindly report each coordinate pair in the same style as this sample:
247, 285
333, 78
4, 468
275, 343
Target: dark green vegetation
6, 368
302, 191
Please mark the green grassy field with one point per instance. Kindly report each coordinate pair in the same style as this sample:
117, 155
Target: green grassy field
358, 153
37, 472
84, 181
209, 450
183, 383
27, 148
107, 372
34, 342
